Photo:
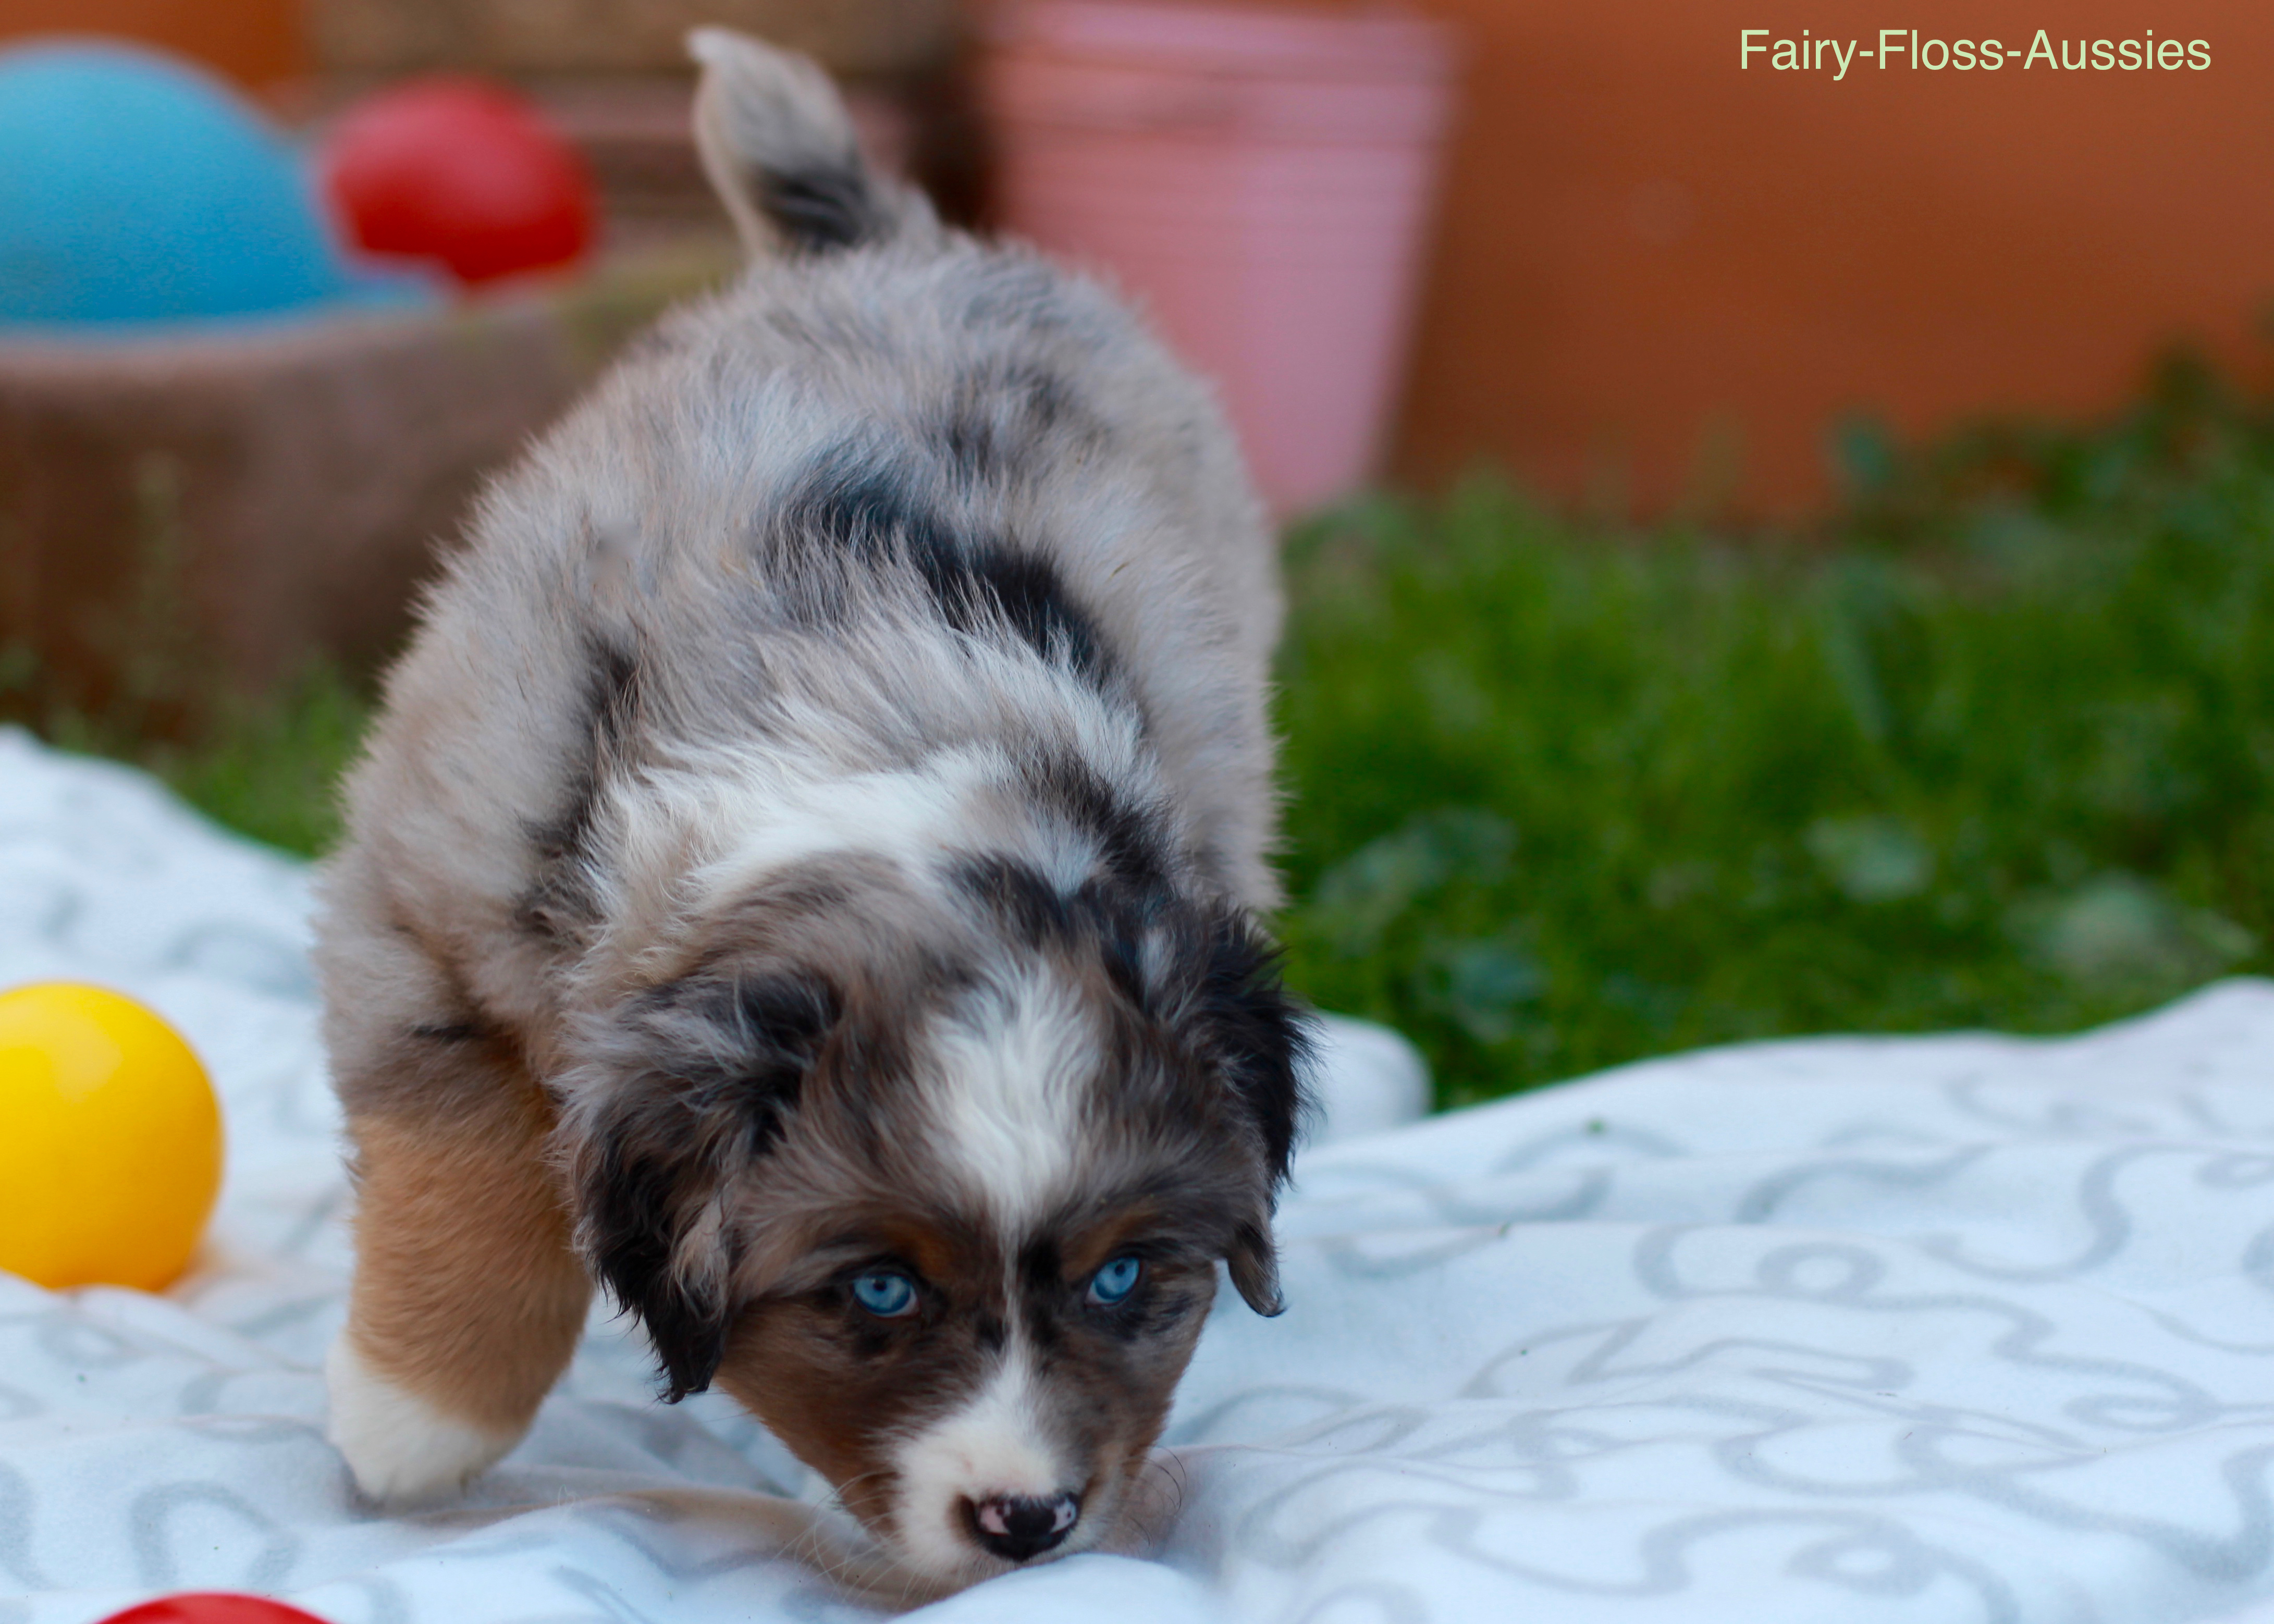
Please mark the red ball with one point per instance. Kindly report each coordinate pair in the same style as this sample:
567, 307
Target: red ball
459, 170
212, 1607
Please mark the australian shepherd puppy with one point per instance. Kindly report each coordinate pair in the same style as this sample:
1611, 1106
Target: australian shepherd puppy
805, 879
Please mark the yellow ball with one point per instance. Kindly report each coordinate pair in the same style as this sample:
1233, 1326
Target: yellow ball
111, 1144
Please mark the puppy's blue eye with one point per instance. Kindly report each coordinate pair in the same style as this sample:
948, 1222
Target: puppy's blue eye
886, 1294
1116, 1281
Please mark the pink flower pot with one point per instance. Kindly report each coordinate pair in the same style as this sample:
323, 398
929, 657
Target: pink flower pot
1259, 179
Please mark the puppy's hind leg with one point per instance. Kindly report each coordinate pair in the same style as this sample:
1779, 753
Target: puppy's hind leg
468, 1297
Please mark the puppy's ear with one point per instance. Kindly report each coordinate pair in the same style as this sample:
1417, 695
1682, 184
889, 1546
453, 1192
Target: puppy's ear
644, 1202
1254, 1265
696, 1081
1257, 1035
1241, 1017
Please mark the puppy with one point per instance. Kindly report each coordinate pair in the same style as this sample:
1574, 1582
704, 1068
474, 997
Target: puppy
805, 878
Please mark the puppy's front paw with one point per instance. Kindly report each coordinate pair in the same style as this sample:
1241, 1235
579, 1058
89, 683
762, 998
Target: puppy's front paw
401, 1450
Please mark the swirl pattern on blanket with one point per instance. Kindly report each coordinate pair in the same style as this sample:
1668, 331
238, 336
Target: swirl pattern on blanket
1952, 1329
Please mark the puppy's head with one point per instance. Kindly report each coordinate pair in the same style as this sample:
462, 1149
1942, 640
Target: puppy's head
936, 1181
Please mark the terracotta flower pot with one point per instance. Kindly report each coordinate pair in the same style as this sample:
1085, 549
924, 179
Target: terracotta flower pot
1260, 180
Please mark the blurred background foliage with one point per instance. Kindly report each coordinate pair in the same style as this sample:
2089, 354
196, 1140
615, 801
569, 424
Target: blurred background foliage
1992, 744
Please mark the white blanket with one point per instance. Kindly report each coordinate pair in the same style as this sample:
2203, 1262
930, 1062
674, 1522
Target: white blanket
1952, 1329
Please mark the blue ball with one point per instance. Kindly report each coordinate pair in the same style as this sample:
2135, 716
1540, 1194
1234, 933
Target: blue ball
136, 189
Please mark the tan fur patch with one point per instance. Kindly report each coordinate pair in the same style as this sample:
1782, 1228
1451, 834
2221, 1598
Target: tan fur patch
467, 1292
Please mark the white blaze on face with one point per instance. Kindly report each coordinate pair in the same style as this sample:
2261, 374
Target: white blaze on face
1014, 1071
995, 1444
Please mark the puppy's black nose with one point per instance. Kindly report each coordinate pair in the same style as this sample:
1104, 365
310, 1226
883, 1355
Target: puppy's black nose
1017, 1526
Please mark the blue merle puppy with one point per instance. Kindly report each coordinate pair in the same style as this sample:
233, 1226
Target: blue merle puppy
805, 878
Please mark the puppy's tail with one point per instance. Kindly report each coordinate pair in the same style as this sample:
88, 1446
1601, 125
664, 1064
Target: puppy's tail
779, 147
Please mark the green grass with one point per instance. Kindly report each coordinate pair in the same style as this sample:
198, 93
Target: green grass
1993, 748
268, 767
1994, 745
271, 770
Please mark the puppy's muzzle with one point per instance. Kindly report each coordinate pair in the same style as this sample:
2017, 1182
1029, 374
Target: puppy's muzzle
1016, 1527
